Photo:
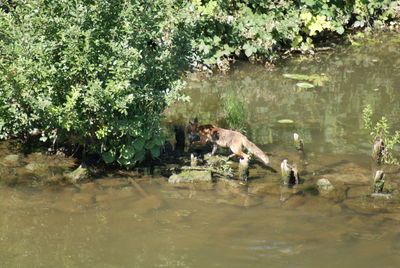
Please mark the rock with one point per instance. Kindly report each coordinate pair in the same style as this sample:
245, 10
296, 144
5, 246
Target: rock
324, 185
365, 206
191, 176
11, 159
381, 195
56, 179
77, 175
35, 167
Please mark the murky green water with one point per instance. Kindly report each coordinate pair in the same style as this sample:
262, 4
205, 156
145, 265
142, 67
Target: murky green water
112, 223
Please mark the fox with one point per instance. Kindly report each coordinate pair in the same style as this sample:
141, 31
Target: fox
201, 134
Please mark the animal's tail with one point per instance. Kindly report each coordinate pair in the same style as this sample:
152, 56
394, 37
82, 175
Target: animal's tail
256, 151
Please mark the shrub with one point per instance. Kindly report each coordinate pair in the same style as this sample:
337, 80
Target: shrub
93, 73
222, 30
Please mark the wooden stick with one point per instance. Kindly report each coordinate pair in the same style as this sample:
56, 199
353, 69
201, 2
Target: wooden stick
379, 182
244, 169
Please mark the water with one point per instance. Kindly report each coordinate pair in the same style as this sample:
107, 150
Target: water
111, 222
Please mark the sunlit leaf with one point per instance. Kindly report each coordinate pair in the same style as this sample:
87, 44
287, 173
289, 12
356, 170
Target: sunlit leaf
285, 121
297, 76
305, 85
127, 152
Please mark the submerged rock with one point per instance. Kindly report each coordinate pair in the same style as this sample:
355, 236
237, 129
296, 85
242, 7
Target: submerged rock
36, 167
191, 176
367, 205
11, 160
324, 186
335, 191
77, 175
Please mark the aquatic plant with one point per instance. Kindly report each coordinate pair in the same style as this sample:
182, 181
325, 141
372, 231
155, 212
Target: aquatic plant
234, 110
381, 129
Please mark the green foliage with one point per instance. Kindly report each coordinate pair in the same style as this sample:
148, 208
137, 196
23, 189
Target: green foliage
381, 129
221, 30
94, 73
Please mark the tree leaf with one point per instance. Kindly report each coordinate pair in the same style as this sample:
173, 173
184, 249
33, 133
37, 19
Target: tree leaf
127, 152
155, 152
108, 157
139, 156
138, 143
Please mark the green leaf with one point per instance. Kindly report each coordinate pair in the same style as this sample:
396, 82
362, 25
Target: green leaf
127, 151
124, 162
339, 29
155, 152
108, 157
285, 121
159, 140
249, 49
297, 76
138, 144
304, 85
139, 156
150, 144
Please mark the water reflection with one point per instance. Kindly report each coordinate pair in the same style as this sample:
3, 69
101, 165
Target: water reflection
328, 117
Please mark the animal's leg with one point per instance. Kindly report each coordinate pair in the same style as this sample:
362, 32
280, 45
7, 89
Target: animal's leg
237, 150
214, 149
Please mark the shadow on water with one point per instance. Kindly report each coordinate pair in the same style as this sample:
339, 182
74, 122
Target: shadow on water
133, 219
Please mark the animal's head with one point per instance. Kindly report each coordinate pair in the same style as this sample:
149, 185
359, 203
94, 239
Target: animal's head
193, 131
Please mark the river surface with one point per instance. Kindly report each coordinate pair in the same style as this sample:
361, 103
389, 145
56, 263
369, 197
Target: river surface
135, 219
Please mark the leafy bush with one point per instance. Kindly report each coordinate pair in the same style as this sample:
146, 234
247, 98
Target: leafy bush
93, 73
223, 30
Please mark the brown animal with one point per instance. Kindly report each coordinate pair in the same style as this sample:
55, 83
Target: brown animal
224, 138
